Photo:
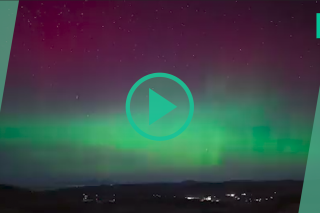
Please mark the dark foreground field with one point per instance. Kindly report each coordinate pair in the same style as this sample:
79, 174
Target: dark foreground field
188, 197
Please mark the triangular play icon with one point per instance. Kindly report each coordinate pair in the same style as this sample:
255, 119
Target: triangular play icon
158, 106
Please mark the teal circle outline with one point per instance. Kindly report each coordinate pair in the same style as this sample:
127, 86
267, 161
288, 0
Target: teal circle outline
160, 75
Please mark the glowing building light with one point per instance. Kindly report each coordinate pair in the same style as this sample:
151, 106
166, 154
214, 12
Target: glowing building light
207, 198
192, 198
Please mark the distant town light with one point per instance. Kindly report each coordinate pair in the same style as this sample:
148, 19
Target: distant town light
207, 198
192, 198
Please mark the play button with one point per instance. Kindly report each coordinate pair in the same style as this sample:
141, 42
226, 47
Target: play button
159, 106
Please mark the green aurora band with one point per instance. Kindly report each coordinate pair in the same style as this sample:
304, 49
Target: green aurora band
82, 145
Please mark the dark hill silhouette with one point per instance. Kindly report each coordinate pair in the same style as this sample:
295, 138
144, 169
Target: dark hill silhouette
69, 199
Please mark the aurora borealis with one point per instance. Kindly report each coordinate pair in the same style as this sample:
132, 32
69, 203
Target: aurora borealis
252, 67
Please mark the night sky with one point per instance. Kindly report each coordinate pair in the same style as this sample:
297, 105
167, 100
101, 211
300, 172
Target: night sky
252, 67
